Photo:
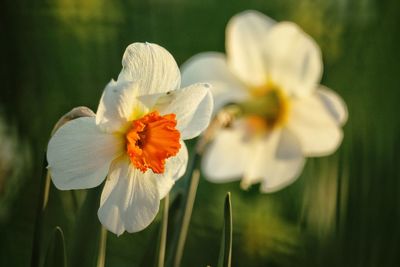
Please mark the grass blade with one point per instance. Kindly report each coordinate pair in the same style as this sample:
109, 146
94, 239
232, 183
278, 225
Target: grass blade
225, 253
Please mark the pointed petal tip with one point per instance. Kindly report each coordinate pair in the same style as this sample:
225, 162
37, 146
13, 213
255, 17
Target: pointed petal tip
245, 185
75, 113
246, 14
154, 68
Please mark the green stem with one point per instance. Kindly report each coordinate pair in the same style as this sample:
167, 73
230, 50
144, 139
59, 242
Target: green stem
163, 233
101, 257
41, 206
186, 217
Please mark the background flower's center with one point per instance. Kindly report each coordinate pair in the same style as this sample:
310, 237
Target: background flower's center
267, 109
151, 140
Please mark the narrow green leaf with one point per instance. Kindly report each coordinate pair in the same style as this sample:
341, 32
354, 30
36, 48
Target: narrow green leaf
87, 232
225, 253
56, 255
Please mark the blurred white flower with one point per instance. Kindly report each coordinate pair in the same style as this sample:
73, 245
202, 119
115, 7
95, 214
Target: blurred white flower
272, 71
135, 139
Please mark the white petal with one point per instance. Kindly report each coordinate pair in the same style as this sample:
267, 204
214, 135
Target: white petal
317, 130
294, 59
211, 67
245, 33
175, 168
130, 199
262, 149
152, 67
334, 104
79, 154
285, 163
193, 107
226, 157
119, 105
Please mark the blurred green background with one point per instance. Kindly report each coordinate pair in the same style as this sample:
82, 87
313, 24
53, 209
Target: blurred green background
343, 211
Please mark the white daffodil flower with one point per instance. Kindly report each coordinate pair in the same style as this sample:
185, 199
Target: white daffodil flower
135, 139
272, 71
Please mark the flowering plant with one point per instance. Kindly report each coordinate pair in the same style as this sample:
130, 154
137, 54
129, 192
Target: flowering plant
135, 140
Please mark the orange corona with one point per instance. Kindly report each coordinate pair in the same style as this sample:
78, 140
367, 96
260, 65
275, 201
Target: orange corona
151, 140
